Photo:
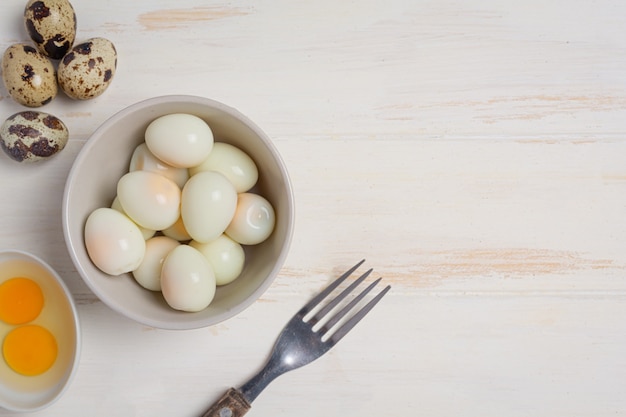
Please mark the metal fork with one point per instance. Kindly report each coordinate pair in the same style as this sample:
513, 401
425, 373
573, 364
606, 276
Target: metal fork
301, 341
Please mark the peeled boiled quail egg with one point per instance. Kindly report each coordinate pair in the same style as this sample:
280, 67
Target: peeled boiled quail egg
181, 140
150, 199
146, 233
226, 256
231, 162
253, 221
208, 204
177, 231
148, 273
114, 243
187, 279
144, 160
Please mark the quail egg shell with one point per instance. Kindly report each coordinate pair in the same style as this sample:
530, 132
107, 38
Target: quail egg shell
233, 163
181, 140
28, 76
150, 200
148, 273
32, 136
51, 24
114, 243
226, 256
253, 221
144, 160
187, 279
208, 204
146, 233
87, 70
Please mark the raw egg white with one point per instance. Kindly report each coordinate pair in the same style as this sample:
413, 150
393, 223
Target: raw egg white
114, 243
208, 204
151, 200
37, 332
231, 162
253, 221
187, 279
226, 256
180, 140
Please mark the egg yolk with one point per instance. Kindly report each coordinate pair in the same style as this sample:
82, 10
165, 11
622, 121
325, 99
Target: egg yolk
21, 300
29, 350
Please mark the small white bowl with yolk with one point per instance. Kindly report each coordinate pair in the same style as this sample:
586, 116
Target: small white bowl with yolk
39, 333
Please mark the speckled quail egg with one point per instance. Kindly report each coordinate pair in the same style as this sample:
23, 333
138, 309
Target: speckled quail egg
87, 70
51, 24
28, 76
32, 136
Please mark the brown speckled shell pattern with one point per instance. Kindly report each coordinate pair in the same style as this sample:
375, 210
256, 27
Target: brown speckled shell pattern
51, 24
32, 136
87, 70
28, 76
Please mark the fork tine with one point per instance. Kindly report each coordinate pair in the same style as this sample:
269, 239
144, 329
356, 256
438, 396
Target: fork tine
319, 297
347, 326
333, 303
347, 308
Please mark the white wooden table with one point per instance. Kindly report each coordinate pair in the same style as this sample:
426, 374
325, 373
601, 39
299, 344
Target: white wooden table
474, 152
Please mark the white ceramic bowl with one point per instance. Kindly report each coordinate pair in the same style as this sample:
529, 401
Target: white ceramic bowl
105, 158
31, 393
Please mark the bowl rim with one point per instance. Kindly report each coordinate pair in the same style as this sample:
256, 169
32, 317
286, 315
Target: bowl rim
254, 296
20, 254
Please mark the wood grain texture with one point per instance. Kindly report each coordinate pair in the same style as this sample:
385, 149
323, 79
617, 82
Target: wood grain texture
181, 18
472, 152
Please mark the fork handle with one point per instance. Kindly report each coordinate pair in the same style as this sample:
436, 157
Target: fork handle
231, 404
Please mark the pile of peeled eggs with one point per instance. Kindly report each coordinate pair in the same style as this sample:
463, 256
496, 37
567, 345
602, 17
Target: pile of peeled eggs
33, 75
182, 214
